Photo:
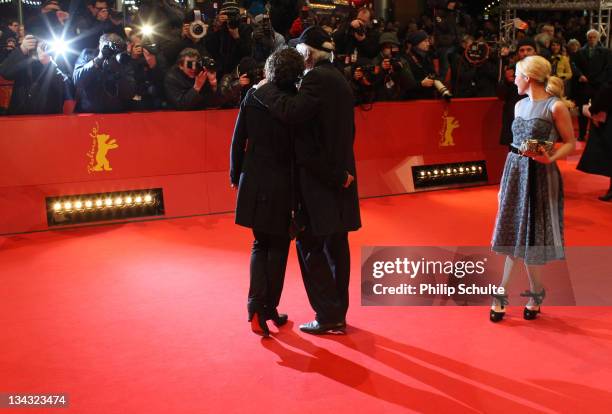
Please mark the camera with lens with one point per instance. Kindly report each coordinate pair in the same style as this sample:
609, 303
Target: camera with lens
151, 48
440, 87
396, 64
112, 50
209, 64
197, 28
114, 14
233, 19
369, 72
255, 75
361, 31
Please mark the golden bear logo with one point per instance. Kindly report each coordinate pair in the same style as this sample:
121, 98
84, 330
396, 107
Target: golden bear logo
450, 123
101, 144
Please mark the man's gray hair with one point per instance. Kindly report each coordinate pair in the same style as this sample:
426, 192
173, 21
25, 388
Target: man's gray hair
595, 32
315, 54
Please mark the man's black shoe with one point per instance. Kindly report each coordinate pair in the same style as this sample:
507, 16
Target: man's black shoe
316, 328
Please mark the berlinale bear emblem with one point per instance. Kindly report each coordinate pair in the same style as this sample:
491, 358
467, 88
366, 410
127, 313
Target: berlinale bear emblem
101, 144
450, 123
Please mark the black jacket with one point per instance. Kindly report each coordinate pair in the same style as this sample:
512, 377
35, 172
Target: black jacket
324, 149
421, 66
181, 95
475, 81
597, 68
346, 43
107, 88
602, 102
262, 169
226, 50
149, 83
38, 89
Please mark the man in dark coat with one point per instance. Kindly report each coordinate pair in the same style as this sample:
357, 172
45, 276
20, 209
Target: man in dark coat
190, 85
40, 86
421, 66
597, 156
326, 162
103, 77
593, 66
261, 168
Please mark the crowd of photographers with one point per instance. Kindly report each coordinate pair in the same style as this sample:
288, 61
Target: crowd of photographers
166, 57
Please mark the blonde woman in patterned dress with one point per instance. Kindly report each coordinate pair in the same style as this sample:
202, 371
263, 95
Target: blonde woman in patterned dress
529, 223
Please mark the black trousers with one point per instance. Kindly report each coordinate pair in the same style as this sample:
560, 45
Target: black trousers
268, 264
325, 262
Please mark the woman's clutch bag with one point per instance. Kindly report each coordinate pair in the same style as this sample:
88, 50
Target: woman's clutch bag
536, 146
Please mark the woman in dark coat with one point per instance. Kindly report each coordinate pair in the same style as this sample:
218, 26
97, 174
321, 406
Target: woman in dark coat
597, 156
261, 157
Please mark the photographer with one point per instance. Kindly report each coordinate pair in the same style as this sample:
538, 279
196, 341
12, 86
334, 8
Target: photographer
193, 34
396, 79
422, 68
477, 70
165, 14
450, 26
149, 68
51, 23
265, 40
99, 19
104, 78
40, 86
363, 77
192, 83
306, 19
235, 85
357, 37
9, 38
230, 39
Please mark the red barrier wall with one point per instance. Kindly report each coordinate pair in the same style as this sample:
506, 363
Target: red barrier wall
187, 154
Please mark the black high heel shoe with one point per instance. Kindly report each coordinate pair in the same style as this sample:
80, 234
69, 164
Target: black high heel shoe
279, 319
495, 316
258, 324
606, 197
531, 314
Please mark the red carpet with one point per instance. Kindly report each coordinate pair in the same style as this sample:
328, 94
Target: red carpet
151, 318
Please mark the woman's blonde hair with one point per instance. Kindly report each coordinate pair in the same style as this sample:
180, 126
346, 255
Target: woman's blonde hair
539, 69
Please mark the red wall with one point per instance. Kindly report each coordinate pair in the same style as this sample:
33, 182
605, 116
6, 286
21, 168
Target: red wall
187, 154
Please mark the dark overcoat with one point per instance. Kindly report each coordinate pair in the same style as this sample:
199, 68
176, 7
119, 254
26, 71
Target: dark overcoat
260, 165
324, 107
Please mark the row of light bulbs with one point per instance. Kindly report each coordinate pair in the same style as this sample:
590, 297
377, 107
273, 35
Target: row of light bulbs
441, 172
108, 202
